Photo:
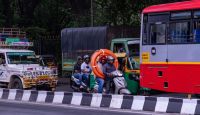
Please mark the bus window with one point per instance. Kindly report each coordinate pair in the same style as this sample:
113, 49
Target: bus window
144, 36
181, 15
158, 33
179, 32
145, 39
197, 31
196, 14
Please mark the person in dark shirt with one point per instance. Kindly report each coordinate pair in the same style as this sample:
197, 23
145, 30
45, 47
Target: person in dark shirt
77, 67
108, 68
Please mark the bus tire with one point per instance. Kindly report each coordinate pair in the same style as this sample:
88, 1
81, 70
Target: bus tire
16, 84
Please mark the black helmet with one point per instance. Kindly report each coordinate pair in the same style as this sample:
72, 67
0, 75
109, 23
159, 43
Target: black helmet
79, 58
110, 59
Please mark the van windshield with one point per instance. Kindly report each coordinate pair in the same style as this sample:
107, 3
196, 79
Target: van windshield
21, 58
135, 63
134, 49
49, 61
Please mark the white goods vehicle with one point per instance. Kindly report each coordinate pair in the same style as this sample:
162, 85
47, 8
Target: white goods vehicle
19, 67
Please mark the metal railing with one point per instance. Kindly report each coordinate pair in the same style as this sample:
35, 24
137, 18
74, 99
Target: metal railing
12, 32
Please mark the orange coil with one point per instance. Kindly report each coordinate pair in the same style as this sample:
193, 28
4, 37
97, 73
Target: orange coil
94, 59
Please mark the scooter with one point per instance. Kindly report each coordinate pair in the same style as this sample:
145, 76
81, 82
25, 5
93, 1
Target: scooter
120, 83
75, 85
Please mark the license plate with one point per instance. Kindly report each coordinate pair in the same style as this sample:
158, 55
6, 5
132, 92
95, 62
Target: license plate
44, 77
42, 82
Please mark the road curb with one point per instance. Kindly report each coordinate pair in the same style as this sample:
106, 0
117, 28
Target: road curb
141, 103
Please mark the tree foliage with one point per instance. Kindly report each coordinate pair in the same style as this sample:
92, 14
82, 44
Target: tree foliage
51, 16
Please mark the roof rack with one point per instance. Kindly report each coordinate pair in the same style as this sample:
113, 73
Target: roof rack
16, 45
12, 32
13, 38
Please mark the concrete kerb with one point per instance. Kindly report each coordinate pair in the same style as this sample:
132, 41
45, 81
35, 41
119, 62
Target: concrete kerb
142, 103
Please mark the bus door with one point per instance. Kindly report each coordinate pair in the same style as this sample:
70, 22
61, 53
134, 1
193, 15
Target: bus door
180, 39
154, 50
183, 49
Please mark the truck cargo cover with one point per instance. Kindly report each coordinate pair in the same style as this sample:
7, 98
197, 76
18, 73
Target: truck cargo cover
83, 39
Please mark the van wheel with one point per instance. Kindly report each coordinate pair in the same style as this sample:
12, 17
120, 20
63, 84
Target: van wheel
39, 88
16, 84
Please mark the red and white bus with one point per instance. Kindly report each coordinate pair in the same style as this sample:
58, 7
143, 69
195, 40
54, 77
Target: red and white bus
170, 47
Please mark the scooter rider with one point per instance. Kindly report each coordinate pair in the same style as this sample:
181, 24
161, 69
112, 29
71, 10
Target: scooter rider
108, 68
100, 81
77, 68
85, 70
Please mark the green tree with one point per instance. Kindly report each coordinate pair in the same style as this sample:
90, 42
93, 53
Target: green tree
53, 15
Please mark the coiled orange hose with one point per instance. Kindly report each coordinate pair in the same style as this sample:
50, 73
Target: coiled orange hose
94, 61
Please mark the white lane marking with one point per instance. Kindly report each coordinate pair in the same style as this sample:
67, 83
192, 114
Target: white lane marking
76, 99
96, 100
12, 94
116, 101
138, 103
161, 104
189, 106
41, 96
26, 95
58, 97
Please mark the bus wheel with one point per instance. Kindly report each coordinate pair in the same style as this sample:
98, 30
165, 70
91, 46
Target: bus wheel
16, 84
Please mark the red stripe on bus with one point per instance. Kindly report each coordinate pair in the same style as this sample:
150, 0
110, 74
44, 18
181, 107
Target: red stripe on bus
171, 78
177, 6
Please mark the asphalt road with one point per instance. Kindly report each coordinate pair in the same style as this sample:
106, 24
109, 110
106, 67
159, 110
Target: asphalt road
21, 108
